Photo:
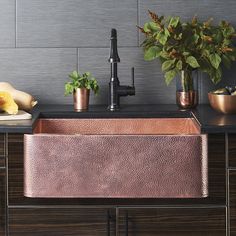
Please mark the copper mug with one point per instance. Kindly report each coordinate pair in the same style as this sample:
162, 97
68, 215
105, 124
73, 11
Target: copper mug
81, 99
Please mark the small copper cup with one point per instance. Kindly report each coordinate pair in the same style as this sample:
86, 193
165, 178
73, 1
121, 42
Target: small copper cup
187, 100
81, 99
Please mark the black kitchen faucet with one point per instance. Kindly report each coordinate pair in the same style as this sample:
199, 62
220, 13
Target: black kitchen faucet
115, 89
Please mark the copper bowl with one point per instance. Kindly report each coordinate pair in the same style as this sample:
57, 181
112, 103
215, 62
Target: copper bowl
223, 103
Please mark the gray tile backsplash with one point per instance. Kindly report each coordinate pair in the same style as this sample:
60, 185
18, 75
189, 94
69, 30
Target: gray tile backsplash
41, 72
41, 41
7, 23
75, 23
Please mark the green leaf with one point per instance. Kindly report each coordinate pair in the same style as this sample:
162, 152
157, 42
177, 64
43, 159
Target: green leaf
205, 52
169, 76
167, 65
74, 75
167, 33
215, 60
162, 37
218, 37
146, 27
87, 74
228, 31
164, 55
174, 21
217, 76
150, 27
179, 65
226, 61
153, 26
195, 38
186, 53
69, 89
192, 61
152, 53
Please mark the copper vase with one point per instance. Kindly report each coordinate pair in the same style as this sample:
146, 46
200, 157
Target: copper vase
187, 100
186, 89
81, 99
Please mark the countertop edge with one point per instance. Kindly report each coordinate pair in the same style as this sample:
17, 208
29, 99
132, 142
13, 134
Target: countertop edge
208, 120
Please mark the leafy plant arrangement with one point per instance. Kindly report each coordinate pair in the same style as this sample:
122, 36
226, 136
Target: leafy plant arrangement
188, 46
81, 81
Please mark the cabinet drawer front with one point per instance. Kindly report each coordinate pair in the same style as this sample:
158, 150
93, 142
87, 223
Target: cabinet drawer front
172, 222
232, 149
59, 222
2, 144
232, 197
2, 202
2, 150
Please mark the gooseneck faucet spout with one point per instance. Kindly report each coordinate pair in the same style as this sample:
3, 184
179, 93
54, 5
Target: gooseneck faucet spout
114, 57
115, 89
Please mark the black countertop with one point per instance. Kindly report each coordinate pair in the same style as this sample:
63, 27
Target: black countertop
209, 120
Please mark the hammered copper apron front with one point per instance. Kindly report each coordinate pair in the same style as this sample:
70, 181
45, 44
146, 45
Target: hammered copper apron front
115, 165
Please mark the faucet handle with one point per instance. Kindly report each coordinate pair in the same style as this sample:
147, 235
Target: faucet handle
132, 76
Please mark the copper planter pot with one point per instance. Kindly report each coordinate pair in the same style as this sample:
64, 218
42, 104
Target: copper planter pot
223, 103
81, 99
187, 100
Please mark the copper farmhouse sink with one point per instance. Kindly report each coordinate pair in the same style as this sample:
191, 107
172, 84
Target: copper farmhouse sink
116, 158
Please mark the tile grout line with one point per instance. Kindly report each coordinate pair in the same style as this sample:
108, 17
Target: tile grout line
138, 21
87, 47
15, 23
77, 61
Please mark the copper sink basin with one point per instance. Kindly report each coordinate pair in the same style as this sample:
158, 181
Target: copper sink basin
118, 126
116, 158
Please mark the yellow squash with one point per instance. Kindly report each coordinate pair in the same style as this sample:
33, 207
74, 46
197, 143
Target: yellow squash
24, 100
7, 103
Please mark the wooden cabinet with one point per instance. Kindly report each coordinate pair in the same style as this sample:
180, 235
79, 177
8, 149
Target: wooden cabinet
232, 202
61, 222
3, 199
2, 150
232, 150
2, 202
172, 222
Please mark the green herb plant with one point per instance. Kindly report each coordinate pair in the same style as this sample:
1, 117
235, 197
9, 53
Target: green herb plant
78, 80
188, 46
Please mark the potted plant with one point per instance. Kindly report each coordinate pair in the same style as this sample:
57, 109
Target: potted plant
184, 48
80, 86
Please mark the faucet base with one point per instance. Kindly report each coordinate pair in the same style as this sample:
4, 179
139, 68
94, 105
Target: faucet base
113, 108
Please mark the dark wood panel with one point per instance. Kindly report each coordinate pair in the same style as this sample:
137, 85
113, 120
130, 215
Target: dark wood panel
2, 202
2, 150
232, 149
173, 222
217, 181
232, 203
2, 144
58, 222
